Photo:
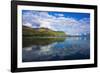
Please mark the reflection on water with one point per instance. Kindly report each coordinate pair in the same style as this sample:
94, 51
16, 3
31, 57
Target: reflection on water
52, 49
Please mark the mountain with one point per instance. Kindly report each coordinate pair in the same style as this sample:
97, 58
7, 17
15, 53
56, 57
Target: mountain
28, 31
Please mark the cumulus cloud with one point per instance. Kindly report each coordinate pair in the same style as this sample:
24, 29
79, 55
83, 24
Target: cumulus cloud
56, 22
59, 15
28, 24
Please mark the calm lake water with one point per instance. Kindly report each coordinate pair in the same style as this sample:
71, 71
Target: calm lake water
53, 49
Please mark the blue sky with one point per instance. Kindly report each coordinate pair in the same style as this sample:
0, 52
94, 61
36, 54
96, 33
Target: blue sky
68, 22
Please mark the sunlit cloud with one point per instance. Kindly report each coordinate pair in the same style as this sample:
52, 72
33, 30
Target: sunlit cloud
57, 21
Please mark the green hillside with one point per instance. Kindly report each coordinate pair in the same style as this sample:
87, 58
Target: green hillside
40, 32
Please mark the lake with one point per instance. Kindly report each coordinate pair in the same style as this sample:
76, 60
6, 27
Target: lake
54, 49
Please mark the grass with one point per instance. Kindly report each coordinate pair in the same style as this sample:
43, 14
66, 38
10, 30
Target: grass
41, 32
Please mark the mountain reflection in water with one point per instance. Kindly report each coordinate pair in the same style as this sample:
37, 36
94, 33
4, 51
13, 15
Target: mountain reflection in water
53, 49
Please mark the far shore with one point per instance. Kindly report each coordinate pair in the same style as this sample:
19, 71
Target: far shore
52, 36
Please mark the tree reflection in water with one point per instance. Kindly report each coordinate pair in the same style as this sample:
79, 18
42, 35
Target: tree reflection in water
51, 49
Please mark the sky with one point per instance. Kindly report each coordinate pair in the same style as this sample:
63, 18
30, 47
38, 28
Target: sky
69, 22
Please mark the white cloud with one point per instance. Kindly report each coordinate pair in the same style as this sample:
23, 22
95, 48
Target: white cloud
28, 25
59, 15
67, 24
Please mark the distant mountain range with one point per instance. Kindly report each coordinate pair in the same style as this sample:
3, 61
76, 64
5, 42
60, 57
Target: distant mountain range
28, 31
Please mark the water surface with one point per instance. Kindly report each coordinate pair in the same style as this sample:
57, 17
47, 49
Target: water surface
53, 49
